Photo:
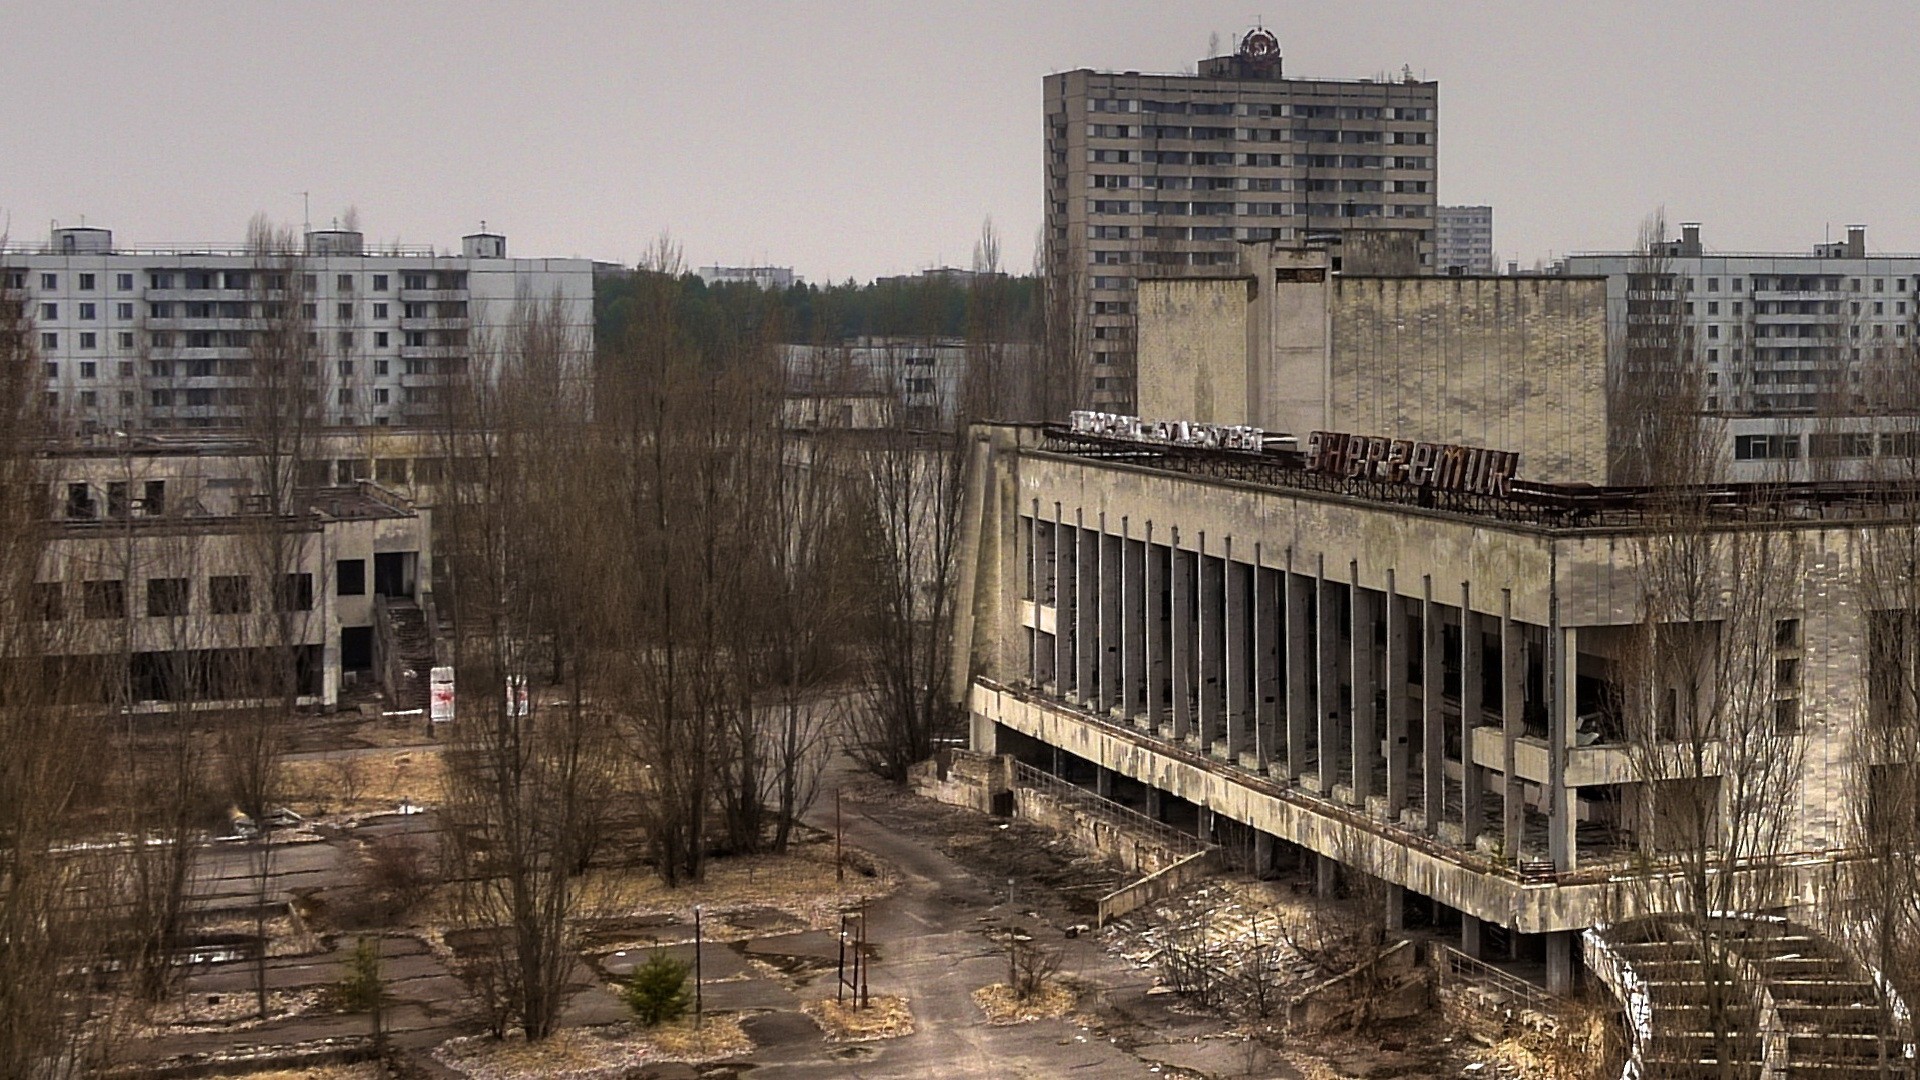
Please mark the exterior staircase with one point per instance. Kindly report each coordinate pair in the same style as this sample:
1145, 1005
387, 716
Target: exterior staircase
409, 654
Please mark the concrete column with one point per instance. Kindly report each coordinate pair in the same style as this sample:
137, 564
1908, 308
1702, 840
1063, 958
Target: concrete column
1560, 962
1064, 580
1133, 648
1262, 854
1326, 877
983, 735
1237, 654
1470, 940
1396, 913
1034, 590
1474, 782
1157, 631
1563, 662
1363, 609
1298, 641
1103, 781
1267, 658
1398, 751
1513, 696
1433, 743
1330, 738
1183, 581
1112, 621
1086, 619
1212, 646
1155, 804
1203, 825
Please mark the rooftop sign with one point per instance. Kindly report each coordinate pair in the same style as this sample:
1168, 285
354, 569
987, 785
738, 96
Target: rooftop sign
1441, 466
1175, 432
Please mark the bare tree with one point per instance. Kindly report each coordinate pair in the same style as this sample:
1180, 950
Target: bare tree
1717, 763
1062, 372
54, 901
280, 419
528, 782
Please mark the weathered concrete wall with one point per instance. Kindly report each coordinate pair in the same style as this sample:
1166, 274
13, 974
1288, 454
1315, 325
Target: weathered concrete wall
1124, 847
1379, 251
1192, 349
1157, 886
1506, 363
962, 779
1352, 537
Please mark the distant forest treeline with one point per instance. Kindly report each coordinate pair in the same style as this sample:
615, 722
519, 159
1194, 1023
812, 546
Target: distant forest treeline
809, 314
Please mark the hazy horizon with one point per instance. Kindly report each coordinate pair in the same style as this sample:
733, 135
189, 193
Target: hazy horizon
861, 139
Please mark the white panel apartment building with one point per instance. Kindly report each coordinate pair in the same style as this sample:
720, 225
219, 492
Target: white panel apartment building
1159, 175
1463, 237
1793, 346
158, 338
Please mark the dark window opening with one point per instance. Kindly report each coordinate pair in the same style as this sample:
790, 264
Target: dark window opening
166, 596
356, 648
352, 577
229, 595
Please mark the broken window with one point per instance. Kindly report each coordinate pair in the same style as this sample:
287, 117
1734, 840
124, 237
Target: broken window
104, 599
229, 594
166, 596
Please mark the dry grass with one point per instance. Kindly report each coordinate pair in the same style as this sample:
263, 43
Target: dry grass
1001, 1006
365, 1070
717, 1037
364, 783
607, 1053
800, 883
885, 1017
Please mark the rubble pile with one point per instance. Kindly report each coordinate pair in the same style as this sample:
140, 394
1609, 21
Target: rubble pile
1220, 943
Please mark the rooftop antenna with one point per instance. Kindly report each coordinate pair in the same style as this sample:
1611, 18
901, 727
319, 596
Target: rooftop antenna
306, 211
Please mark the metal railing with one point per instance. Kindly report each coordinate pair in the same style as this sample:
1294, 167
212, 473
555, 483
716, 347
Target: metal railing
1452, 965
1106, 810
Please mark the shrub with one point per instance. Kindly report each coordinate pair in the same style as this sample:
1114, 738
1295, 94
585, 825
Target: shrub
657, 990
361, 990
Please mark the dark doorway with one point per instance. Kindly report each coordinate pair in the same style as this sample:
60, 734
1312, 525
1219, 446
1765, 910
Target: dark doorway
356, 648
393, 573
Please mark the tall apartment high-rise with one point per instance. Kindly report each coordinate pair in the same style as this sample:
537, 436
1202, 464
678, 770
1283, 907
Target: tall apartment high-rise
160, 338
1464, 238
1160, 175
1804, 357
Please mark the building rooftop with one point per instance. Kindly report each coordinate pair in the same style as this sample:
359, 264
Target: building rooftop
1526, 503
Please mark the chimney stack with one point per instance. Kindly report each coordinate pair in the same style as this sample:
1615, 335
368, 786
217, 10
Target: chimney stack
1856, 241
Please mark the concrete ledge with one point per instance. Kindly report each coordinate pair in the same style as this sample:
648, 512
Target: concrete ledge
1157, 886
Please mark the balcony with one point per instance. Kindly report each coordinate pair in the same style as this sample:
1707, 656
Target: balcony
461, 323
432, 295
432, 352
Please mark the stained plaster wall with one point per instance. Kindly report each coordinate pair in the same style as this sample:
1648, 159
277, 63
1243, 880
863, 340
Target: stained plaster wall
1192, 349
1507, 363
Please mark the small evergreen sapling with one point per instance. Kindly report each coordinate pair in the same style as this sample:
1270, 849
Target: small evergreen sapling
657, 990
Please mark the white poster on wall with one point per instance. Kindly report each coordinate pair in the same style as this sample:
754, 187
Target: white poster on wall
441, 684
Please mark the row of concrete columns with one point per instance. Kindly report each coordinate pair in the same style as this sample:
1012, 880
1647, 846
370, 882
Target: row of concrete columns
1558, 946
1298, 671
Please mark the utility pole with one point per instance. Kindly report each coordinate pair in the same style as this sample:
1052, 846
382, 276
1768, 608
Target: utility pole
839, 865
699, 995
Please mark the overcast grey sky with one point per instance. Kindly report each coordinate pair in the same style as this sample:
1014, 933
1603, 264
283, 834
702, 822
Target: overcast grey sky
848, 138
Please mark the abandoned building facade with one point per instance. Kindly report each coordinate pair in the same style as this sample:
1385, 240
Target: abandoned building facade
175, 575
1390, 630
